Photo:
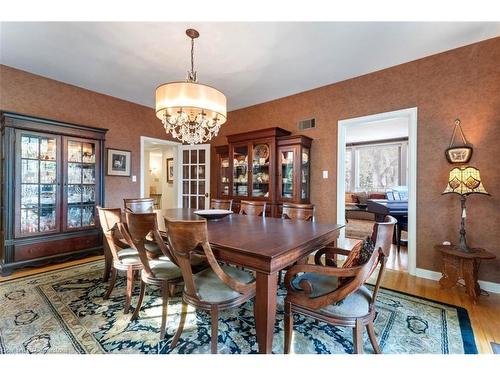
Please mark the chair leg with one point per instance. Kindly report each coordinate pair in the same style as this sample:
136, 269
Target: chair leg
373, 338
130, 288
108, 263
181, 325
139, 301
288, 326
171, 290
399, 237
214, 315
164, 295
357, 334
111, 285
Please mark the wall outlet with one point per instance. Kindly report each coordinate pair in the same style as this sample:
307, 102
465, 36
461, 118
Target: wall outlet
325, 175
134, 178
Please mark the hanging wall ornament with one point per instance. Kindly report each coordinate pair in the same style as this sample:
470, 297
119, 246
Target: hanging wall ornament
458, 153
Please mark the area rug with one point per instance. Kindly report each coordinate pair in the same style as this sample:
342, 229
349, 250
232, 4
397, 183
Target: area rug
63, 312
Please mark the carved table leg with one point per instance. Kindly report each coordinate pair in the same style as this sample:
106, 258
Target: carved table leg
469, 270
265, 310
450, 271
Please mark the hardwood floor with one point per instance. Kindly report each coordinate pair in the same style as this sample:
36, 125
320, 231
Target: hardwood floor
396, 261
484, 316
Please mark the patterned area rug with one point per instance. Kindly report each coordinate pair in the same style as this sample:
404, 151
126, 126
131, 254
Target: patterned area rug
63, 312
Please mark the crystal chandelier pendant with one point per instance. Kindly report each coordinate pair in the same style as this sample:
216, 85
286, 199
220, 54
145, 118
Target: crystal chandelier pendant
190, 111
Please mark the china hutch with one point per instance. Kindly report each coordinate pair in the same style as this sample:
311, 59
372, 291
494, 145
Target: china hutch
269, 164
52, 181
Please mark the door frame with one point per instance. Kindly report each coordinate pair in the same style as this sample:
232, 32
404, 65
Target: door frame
182, 147
411, 115
160, 141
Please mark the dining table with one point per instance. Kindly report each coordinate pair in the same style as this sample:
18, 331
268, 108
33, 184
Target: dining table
264, 245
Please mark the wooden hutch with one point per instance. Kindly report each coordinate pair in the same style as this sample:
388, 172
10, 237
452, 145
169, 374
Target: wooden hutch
52, 181
264, 165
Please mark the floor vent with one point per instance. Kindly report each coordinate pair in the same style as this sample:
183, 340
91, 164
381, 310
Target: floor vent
307, 124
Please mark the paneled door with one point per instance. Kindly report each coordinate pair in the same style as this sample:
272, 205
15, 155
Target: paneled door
195, 176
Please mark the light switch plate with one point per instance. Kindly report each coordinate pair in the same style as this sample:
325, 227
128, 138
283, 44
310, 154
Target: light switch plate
325, 175
134, 178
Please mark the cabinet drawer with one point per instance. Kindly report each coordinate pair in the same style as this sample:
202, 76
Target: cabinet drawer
47, 248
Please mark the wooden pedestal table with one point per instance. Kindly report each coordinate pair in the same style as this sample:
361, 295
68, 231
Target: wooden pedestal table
457, 265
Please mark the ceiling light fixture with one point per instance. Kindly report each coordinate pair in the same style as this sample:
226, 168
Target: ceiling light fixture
190, 111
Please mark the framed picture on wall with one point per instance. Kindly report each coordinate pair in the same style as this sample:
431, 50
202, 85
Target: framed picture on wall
170, 170
119, 162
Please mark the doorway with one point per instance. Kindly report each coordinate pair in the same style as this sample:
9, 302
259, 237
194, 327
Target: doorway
157, 181
377, 159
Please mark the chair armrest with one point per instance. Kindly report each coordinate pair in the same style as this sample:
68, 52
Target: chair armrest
224, 277
329, 251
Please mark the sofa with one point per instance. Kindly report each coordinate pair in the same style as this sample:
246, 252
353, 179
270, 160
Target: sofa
353, 199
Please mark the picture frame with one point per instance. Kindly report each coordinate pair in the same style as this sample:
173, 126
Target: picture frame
118, 162
170, 170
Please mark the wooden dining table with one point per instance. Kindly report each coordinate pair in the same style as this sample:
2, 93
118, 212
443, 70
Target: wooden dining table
264, 245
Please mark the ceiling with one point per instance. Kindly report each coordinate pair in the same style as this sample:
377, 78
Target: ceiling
378, 130
250, 62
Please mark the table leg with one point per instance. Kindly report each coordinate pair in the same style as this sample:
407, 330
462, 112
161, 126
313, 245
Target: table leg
470, 269
450, 271
265, 310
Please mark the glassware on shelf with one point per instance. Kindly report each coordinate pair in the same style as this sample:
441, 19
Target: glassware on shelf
287, 174
88, 172
74, 217
88, 194
48, 149
29, 146
74, 151
29, 171
74, 173
47, 219
88, 217
29, 220
47, 194
304, 190
240, 171
48, 173
29, 195
88, 153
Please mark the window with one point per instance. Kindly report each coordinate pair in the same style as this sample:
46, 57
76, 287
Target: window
376, 166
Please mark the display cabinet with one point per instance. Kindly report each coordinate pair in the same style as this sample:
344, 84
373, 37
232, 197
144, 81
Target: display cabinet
52, 181
251, 165
294, 154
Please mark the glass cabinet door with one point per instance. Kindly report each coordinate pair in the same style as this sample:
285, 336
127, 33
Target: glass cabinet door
38, 193
240, 171
305, 174
287, 173
260, 170
224, 175
80, 184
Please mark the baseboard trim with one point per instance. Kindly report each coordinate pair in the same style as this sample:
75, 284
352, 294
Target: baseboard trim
489, 286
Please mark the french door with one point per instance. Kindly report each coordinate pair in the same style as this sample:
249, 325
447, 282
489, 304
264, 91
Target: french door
195, 176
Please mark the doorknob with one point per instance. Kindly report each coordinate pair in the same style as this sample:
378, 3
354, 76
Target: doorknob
206, 195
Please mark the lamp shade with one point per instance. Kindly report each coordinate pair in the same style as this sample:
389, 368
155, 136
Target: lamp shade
465, 181
192, 98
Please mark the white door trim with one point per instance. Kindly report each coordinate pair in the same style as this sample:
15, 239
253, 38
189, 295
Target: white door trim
411, 115
145, 139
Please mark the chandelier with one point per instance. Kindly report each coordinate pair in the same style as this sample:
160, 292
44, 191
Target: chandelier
190, 111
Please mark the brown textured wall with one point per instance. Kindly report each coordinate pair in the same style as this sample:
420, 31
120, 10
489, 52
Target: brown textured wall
34, 95
464, 82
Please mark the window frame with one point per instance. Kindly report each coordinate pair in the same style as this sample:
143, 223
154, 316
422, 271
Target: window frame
354, 148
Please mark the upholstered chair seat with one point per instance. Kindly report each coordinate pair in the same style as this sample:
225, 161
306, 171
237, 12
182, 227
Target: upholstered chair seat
213, 290
355, 304
164, 269
322, 284
128, 257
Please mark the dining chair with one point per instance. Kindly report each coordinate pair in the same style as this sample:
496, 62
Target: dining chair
139, 204
338, 296
216, 288
161, 272
221, 204
296, 211
253, 208
125, 257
